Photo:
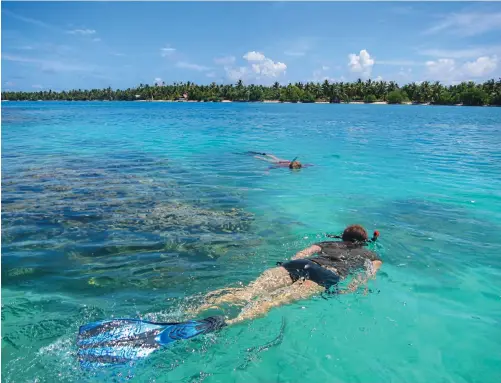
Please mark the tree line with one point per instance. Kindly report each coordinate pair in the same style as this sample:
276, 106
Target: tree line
466, 93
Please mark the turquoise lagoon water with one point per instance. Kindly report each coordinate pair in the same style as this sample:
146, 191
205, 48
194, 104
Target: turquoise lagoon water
137, 209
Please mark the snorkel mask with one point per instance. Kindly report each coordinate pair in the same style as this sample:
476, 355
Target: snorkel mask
375, 236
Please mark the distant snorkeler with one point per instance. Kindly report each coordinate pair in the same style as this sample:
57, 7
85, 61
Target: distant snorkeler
279, 162
120, 341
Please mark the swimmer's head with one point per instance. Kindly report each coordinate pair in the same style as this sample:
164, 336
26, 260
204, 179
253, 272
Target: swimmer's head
295, 165
355, 233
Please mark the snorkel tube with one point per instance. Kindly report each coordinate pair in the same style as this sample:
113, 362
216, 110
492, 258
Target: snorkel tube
374, 238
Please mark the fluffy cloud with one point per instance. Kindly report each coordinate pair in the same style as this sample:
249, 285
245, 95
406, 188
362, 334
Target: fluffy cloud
361, 63
442, 68
158, 80
481, 66
83, 32
37, 86
259, 67
263, 66
446, 69
254, 56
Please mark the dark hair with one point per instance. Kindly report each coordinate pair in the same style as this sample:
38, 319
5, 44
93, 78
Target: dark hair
295, 165
355, 233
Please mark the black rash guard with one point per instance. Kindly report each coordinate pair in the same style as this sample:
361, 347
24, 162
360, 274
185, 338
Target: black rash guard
344, 257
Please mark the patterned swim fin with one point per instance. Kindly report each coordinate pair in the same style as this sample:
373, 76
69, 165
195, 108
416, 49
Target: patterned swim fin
119, 341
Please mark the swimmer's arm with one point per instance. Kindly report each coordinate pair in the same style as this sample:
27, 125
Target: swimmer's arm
308, 252
362, 278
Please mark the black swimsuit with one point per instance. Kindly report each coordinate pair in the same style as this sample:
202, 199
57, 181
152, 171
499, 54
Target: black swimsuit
338, 255
309, 269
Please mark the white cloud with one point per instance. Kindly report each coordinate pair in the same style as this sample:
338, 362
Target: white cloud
481, 66
227, 60
361, 63
83, 32
211, 74
187, 65
442, 68
325, 67
96, 39
167, 51
260, 67
118, 54
378, 78
448, 70
37, 86
467, 24
254, 56
9, 83
264, 66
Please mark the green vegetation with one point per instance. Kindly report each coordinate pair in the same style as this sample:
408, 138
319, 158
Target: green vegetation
397, 97
467, 93
370, 98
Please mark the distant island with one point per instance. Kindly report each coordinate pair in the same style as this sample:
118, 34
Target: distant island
465, 93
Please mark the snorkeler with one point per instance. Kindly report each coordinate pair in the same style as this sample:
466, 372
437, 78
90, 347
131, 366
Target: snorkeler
123, 340
279, 162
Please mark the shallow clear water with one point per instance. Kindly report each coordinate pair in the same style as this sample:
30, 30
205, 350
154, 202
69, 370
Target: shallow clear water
136, 209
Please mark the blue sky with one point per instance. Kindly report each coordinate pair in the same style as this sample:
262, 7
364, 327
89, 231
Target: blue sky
65, 45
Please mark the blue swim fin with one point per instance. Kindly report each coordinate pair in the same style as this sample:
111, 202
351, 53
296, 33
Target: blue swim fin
119, 341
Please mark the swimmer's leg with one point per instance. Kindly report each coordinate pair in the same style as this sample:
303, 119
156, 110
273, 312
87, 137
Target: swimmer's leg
297, 291
271, 280
264, 159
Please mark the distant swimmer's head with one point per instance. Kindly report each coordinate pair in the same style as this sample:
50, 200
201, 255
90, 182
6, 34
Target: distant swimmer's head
295, 165
355, 233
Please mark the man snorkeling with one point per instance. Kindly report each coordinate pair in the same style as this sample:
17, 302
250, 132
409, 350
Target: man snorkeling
122, 340
278, 162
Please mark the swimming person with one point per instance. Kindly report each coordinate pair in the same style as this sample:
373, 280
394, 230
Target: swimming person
123, 340
278, 162
304, 275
